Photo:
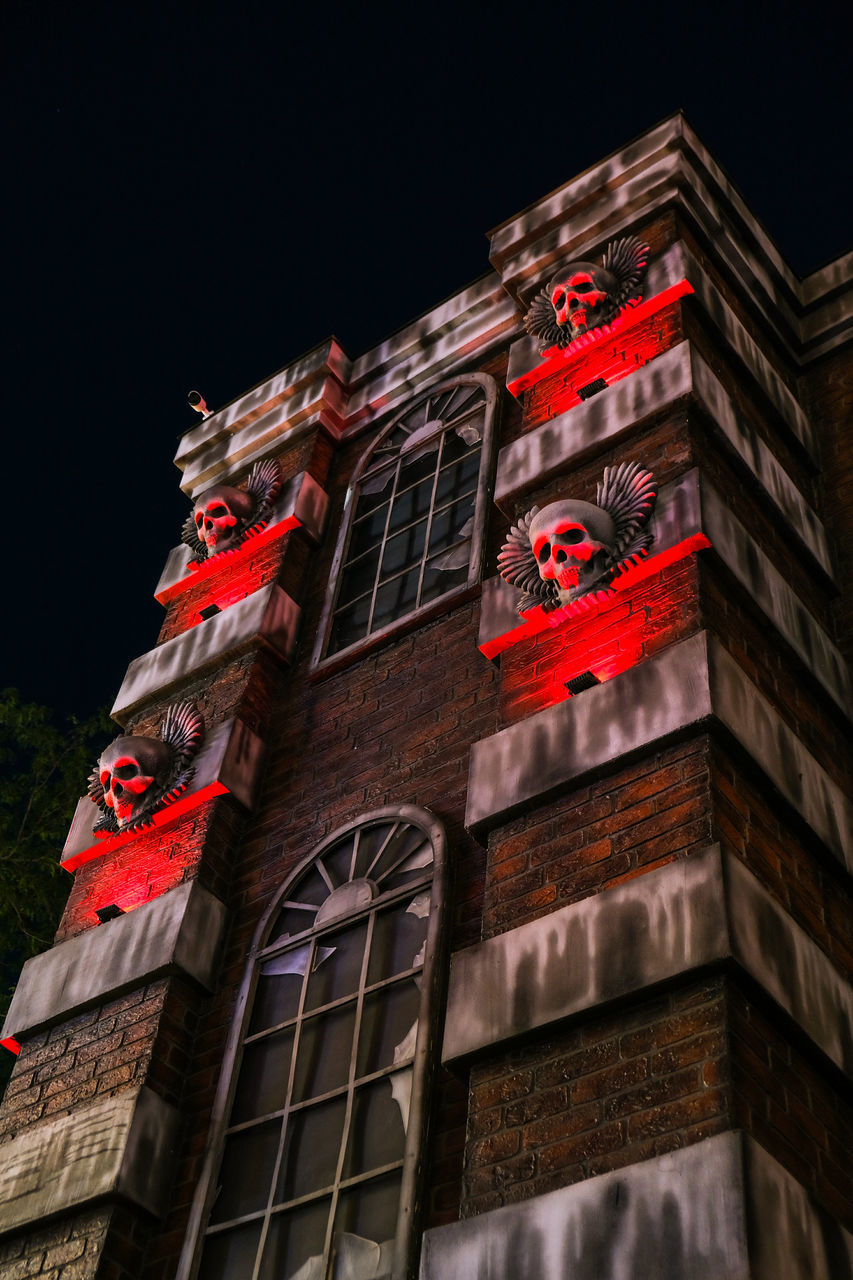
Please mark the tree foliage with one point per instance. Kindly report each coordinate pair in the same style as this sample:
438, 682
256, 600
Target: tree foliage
43, 772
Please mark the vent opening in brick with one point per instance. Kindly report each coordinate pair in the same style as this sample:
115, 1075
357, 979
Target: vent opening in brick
592, 388
577, 684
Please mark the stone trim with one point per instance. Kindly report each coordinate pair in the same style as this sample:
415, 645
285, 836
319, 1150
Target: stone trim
179, 932
720, 1208
120, 1147
229, 761
302, 504
269, 614
686, 686
662, 925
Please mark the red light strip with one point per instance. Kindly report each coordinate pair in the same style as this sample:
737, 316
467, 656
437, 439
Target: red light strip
11, 1044
559, 358
536, 620
101, 847
207, 568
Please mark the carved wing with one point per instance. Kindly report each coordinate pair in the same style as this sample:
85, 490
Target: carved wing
183, 730
541, 322
189, 535
106, 824
517, 565
94, 790
263, 487
628, 261
628, 494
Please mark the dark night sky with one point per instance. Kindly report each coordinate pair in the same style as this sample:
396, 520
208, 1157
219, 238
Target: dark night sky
196, 193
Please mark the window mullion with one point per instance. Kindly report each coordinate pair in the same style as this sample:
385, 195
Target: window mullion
436, 474
282, 1137
362, 983
382, 543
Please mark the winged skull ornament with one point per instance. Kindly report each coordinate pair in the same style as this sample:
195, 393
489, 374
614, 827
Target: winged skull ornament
137, 776
224, 517
586, 298
571, 550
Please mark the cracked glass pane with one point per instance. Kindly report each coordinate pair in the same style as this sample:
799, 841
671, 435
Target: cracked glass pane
398, 936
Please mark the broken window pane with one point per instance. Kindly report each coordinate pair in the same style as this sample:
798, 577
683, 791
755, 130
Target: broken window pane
247, 1170
312, 1149
262, 1084
279, 988
398, 936
230, 1254
377, 1134
386, 1020
369, 1210
323, 1060
294, 1237
337, 965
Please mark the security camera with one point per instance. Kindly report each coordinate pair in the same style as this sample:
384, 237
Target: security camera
196, 401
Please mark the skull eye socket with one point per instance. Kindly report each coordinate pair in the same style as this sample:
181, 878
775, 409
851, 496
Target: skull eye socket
583, 287
572, 535
217, 509
544, 553
125, 771
199, 516
104, 777
558, 299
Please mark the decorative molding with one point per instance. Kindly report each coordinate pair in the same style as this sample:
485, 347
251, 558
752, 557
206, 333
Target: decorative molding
722, 1207
178, 932
116, 1148
268, 614
690, 684
229, 761
302, 504
665, 924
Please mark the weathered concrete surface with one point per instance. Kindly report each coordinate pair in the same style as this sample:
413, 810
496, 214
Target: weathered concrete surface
302, 500
686, 685
118, 1147
661, 925
719, 1210
534, 758
269, 614
230, 756
178, 932
609, 945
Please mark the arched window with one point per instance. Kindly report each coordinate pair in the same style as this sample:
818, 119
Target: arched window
313, 1167
412, 530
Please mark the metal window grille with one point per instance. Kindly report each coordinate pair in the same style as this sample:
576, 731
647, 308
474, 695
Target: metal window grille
321, 1147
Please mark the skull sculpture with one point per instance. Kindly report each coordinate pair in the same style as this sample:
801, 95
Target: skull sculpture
585, 298
577, 294
223, 517
220, 515
568, 539
126, 771
573, 550
135, 776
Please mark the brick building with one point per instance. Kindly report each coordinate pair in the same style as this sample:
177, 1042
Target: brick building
473, 943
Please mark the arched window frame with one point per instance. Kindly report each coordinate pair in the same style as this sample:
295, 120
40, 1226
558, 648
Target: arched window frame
322, 659
405, 1248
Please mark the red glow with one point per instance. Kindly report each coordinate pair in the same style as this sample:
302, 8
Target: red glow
207, 568
537, 620
11, 1044
654, 610
595, 354
98, 848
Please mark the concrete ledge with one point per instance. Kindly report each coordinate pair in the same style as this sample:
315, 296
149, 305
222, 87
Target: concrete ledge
722, 1209
269, 614
179, 932
301, 504
229, 761
686, 685
119, 1148
691, 913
